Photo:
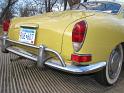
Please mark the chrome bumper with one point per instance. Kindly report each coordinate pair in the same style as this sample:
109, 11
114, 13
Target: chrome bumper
53, 64
78, 69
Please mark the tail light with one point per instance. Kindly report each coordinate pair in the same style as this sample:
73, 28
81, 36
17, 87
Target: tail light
78, 35
6, 25
81, 58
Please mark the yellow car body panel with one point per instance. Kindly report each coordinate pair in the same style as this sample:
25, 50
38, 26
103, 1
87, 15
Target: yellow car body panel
51, 27
104, 32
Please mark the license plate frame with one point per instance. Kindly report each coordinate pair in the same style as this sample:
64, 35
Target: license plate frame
27, 35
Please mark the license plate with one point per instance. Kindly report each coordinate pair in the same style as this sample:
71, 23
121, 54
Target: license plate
27, 35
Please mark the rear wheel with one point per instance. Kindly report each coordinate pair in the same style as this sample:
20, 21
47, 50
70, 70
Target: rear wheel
110, 74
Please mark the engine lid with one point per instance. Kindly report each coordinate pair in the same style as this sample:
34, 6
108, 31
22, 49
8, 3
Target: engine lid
50, 27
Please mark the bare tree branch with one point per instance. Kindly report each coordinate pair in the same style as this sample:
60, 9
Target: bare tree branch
7, 8
53, 3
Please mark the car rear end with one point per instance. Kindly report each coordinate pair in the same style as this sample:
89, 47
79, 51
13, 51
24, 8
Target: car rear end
42, 41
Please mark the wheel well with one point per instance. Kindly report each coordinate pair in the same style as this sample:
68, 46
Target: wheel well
123, 57
122, 44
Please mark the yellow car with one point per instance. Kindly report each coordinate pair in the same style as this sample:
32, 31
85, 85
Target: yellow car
89, 38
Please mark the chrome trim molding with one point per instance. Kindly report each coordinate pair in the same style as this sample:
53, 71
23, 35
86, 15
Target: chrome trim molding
30, 25
39, 58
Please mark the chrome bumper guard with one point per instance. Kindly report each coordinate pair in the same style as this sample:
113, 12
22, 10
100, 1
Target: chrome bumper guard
56, 65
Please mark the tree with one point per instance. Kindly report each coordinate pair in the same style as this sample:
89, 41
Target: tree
65, 4
7, 9
72, 2
49, 4
27, 10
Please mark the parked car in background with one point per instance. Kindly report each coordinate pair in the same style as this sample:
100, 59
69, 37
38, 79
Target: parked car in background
89, 38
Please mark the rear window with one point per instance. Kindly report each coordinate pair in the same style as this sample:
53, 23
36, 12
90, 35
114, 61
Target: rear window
108, 7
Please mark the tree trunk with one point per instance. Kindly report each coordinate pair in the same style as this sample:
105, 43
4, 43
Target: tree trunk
65, 4
73, 2
49, 6
46, 5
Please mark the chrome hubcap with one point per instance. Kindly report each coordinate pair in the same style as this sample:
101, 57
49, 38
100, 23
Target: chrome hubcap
115, 63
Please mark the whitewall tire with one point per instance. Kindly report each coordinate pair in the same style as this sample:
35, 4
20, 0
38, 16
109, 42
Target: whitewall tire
110, 74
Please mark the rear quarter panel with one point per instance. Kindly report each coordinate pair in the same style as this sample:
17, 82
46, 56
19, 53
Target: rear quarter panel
104, 33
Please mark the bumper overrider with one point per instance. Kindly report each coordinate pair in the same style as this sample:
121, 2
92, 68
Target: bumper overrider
8, 45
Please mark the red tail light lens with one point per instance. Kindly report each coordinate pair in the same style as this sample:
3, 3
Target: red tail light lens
81, 58
78, 35
6, 25
79, 31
